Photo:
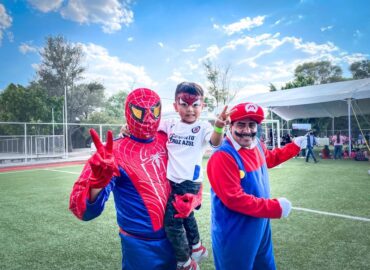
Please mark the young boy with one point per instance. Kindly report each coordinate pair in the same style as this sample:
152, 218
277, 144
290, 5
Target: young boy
188, 139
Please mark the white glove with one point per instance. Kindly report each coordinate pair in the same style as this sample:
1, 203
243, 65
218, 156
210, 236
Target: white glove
299, 141
286, 205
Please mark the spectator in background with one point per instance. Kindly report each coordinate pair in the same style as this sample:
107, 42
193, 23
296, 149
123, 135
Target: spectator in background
311, 142
338, 146
361, 155
325, 152
360, 140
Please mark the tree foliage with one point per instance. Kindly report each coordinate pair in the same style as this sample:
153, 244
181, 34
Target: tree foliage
115, 105
59, 73
321, 72
300, 81
272, 87
360, 69
61, 66
26, 104
219, 84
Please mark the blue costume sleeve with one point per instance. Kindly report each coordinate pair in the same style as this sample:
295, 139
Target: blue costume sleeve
94, 209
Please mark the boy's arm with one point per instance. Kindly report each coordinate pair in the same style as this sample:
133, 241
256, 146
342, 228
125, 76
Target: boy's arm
218, 131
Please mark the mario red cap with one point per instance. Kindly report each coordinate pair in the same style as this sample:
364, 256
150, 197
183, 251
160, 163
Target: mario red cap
247, 109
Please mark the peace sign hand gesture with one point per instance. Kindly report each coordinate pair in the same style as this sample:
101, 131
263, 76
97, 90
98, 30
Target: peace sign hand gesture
223, 118
103, 166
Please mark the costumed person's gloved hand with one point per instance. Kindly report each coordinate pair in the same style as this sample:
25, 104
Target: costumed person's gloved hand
299, 140
286, 206
185, 204
102, 163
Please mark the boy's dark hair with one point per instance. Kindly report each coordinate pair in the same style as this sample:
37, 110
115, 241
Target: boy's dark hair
189, 88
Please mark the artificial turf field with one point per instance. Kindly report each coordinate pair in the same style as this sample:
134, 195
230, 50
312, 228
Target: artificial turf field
38, 231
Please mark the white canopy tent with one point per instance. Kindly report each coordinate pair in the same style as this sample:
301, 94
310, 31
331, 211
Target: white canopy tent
325, 100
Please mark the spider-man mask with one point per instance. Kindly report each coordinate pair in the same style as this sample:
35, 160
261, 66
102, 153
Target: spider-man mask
143, 113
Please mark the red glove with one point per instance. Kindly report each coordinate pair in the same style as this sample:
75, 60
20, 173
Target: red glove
102, 163
185, 204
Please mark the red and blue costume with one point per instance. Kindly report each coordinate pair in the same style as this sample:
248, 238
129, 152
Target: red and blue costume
241, 204
134, 170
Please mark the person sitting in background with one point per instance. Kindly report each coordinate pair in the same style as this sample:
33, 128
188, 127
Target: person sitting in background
361, 155
325, 152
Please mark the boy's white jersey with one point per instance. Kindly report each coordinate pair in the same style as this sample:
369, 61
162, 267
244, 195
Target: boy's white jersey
186, 145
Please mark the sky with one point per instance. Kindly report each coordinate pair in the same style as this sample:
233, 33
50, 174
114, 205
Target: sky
158, 44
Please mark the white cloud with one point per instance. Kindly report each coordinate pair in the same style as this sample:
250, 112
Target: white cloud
278, 22
111, 14
46, 5
272, 58
191, 48
212, 53
25, 48
326, 28
130, 39
160, 44
244, 23
114, 74
354, 58
5, 21
176, 77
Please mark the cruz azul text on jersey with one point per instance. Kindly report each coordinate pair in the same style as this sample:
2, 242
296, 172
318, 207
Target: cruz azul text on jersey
183, 140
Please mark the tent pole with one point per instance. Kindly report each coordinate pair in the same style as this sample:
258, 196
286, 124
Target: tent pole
349, 127
332, 126
272, 124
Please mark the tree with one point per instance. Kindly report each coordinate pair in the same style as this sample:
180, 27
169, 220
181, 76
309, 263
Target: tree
61, 65
115, 105
86, 99
25, 104
272, 87
321, 72
360, 69
60, 70
300, 81
219, 80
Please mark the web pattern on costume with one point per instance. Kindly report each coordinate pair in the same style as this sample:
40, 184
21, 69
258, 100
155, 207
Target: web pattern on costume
144, 98
146, 167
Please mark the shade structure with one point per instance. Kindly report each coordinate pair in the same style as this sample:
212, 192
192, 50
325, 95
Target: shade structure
324, 100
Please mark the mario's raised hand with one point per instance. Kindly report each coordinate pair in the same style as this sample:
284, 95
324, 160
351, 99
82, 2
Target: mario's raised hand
223, 118
103, 166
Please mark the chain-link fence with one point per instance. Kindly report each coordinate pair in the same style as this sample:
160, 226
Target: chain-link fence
25, 142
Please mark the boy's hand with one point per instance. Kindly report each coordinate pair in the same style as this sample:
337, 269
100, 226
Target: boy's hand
223, 118
124, 131
102, 163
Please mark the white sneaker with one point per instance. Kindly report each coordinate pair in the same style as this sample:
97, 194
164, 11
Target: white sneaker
199, 254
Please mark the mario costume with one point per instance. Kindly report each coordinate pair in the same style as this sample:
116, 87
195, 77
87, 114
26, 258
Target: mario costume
241, 204
134, 170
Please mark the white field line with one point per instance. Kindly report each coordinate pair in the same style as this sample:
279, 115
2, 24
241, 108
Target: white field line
10, 172
53, 170
331, 214
33, 170
323, 212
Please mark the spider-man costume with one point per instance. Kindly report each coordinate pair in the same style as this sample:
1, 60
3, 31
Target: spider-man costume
134, 169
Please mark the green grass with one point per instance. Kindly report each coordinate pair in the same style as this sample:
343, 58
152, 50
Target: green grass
38, 231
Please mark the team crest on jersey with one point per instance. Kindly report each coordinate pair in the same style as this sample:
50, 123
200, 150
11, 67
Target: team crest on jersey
251, 108
195, 129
